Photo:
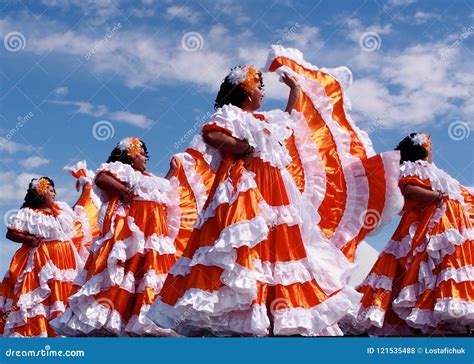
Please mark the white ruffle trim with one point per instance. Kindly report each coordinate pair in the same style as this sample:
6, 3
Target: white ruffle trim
440, 181
37, 310
85, 176
45, 226
456, 313
147, 187
343, 76
29, 304
211, 155
225, 194
217, 312
80, 318
267, 138
194, 179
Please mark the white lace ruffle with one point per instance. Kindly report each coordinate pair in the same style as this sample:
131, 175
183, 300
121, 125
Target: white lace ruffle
45, 226
377, 281
80, 318
29, 304
84, 176
194, 179
267, 138
343, 76
211, 155
314, 174
146, 187
225, 194
440, 181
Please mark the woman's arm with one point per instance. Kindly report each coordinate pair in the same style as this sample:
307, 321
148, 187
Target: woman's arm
113, 186
225, 143
21, 237
295, 91
421, 194
173, 168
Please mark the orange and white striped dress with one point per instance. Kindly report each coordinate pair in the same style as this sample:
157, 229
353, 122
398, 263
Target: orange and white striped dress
39, 280
128, 263
86, 208
424, 277
256, 263
354, 190
196, 171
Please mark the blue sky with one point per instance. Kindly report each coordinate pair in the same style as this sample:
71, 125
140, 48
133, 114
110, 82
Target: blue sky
77, 76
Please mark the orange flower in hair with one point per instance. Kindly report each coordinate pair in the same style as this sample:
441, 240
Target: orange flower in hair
247, 76
132, 145
41, 186
423, 140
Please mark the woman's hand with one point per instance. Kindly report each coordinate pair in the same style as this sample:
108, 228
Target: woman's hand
290, 81
295, 91
174, 166
127, 195
33, 241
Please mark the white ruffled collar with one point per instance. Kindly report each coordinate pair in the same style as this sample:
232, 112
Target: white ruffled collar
56, 225
146, 186
268, 138
440, 180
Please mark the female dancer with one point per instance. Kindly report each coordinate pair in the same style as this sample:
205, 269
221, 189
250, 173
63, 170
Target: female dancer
256, 263
39, 280
127, 265
423, 279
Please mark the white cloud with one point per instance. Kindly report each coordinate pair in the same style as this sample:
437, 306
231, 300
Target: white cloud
356, 29
61, 91
397, 3
422, 17
184, 13
13, 187
138, 120
411, 85
33, 162
10, 147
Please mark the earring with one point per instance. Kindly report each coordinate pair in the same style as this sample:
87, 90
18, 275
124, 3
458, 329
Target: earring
250, 99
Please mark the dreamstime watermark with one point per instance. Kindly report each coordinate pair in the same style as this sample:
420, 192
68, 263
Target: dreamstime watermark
278, 304
466, 33
107, 37
199, 122
288, 32
370, 219
21, 122
103, 130
47, 352
14, 42
459, 130
192, 42
370, 41
379, 122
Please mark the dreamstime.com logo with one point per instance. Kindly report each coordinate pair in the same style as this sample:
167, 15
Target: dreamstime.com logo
47, 352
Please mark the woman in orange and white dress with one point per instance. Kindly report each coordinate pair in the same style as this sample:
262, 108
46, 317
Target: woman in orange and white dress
424, 277
256, 263
139, 221
37, 285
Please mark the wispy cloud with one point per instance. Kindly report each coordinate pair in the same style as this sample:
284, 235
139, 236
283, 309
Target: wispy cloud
86, 108
33, 162
184, 13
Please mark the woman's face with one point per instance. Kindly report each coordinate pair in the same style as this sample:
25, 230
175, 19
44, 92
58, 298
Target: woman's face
256, 98
49, 197
139, 162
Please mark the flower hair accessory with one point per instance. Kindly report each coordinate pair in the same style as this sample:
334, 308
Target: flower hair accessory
133, 146
41, 186
422, 140
247, 76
